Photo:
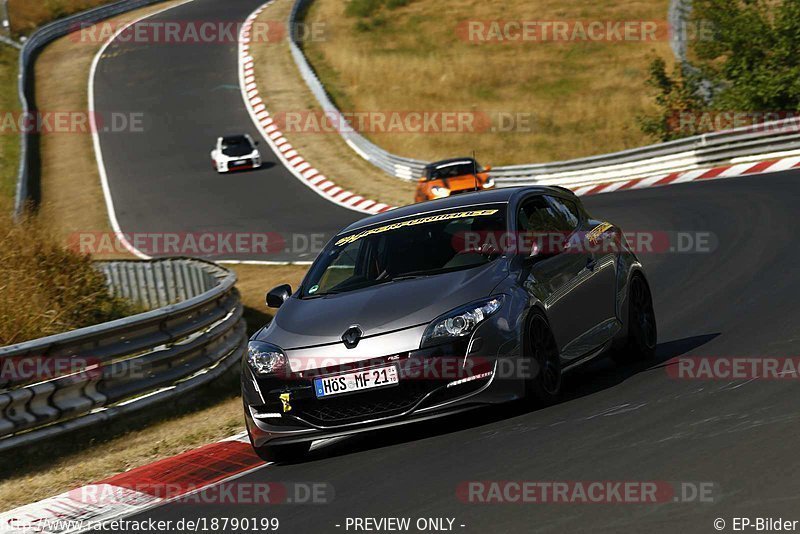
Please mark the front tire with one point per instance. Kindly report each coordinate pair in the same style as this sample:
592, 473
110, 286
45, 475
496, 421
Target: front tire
544, 388
642, 331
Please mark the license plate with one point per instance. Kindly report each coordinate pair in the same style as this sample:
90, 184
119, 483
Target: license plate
240, 162
378, 377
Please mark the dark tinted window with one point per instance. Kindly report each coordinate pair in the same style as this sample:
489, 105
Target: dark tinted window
423, 245
543, 214
451, 170
567, 212
236, 146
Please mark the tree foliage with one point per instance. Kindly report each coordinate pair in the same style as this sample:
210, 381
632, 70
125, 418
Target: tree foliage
748, 61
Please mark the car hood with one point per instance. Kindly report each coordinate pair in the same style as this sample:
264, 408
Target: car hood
380, 309
228, 157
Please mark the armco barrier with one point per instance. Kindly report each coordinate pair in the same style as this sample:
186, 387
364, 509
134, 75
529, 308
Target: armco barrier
120, 367
772, 140
29, 162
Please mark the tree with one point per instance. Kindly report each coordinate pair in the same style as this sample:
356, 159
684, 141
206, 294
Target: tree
750, 57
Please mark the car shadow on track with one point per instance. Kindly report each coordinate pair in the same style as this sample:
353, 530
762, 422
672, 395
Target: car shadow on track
587, 380
604, 373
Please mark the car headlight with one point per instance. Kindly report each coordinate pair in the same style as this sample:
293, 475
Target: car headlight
440, 192
461, 321
265, 359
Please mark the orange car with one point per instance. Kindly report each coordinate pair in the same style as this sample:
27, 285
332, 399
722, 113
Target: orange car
450, 177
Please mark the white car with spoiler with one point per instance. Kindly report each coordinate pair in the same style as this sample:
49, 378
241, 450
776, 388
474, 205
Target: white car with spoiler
235, 153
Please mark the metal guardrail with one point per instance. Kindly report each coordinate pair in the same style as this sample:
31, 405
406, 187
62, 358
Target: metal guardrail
29, 163
693, 152
68, 381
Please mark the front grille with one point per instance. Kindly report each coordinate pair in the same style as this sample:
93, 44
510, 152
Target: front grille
362, 406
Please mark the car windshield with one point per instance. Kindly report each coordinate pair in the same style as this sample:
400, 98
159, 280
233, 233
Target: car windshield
424, 245
236, 146
451, 170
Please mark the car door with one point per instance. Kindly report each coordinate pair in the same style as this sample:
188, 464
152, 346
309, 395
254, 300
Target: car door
598, 280
562, 275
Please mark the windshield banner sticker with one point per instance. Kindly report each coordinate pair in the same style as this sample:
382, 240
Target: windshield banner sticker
413, 222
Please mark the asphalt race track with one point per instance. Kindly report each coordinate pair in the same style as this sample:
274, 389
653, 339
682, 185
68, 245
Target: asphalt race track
161, 177
622, 423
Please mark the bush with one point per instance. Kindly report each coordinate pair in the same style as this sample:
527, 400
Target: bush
46, 289
676, 93
749, 62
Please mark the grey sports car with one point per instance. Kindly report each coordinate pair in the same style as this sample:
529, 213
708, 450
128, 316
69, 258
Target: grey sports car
439, 307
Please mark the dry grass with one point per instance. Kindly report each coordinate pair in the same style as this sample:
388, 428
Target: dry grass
9, 143
584, 97
27, 15
284, 91
49, 288
95, 456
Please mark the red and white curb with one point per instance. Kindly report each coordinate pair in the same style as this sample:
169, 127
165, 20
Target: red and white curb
288, 155
135, 491
725, 171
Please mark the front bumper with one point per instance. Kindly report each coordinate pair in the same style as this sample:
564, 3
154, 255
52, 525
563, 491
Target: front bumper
430, 386
240, 165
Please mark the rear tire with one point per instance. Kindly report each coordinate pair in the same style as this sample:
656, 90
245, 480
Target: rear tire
642, 331
544, 388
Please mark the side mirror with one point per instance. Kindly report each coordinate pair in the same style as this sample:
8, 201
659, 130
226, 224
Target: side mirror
279, 295
487, 168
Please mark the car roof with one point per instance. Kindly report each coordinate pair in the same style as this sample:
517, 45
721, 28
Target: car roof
491, 196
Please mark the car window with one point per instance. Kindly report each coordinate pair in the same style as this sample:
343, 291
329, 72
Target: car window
342, 267
567, 212
540, 214
424, 245
453, 170
236, 146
